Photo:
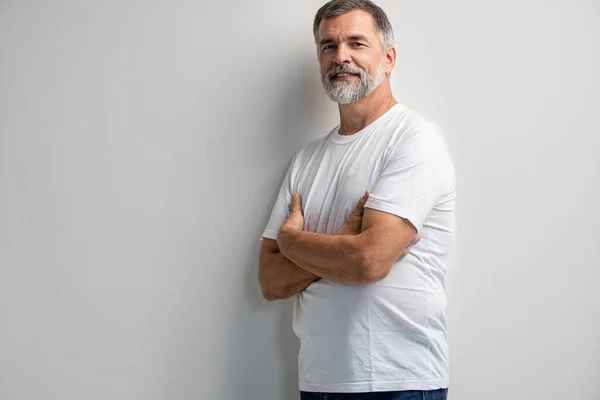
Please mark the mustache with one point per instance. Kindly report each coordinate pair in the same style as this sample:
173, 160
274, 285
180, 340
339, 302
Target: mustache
340, 69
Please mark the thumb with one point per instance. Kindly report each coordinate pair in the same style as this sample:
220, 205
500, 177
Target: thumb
415, 239
296, 203
360, 207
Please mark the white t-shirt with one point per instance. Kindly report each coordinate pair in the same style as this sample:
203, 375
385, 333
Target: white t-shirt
390, 335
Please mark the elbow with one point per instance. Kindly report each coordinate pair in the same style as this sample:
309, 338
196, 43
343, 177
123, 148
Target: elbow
269, 296
267, 289
374, 273
372, 269
267, 293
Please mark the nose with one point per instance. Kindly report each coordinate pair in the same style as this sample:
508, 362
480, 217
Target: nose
342, 55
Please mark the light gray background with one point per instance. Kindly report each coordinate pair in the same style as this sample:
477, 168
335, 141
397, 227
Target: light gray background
142, 147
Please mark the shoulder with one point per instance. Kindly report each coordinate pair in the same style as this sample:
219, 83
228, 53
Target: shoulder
414, 132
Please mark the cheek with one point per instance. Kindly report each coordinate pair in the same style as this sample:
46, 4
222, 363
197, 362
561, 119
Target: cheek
367, 62
326, 63
365, 65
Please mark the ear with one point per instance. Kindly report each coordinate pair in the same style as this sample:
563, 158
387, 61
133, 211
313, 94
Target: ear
390, 60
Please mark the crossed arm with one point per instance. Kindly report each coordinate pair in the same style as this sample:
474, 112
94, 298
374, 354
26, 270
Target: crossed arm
363, 250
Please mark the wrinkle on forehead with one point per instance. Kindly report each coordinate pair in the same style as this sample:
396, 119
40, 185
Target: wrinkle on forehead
342, 27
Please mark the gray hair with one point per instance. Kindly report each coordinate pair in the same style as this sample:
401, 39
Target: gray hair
336, 8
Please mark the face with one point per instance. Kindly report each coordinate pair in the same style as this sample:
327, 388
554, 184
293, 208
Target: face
353, 63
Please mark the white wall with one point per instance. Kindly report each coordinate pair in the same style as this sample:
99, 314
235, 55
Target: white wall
142, 146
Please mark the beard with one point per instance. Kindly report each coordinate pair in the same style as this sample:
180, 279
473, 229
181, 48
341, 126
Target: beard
344, 92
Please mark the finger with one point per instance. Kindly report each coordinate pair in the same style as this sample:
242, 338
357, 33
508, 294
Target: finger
296, 203
360, 207
405, 252
416, 239
364, 199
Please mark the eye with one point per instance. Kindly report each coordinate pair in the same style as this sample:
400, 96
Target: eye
328, 47
358, 44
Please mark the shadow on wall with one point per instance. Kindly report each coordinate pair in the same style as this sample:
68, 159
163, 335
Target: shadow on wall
247, 351
262, 350
265, 329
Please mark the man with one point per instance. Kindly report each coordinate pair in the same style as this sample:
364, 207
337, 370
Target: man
369, 314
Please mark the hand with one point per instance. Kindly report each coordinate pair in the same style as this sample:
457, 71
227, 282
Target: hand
353, 225
294, 222
295, 219
406, 250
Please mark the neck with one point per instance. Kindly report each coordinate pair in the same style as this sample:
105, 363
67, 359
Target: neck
356, 116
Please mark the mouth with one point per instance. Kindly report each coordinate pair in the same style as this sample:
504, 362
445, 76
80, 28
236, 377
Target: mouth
342, 76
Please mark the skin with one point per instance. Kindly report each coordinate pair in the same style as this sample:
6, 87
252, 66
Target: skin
364, 249
351, 39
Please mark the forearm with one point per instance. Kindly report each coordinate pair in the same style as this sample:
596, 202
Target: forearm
338, 258
280, 278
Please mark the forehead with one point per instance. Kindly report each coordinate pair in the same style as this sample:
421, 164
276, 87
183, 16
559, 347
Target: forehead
352, 23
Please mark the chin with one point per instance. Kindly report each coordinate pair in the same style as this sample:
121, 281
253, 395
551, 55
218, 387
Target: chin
344, 101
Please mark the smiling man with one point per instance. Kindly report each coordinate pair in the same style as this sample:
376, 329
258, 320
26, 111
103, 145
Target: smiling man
369, 313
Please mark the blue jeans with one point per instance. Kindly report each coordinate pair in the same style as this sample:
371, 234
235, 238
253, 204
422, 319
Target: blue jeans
439, 394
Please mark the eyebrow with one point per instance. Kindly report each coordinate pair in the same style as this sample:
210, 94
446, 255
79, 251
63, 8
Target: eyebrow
358, 37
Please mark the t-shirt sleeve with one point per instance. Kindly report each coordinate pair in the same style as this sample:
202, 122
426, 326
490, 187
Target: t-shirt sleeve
416, 174
281, 208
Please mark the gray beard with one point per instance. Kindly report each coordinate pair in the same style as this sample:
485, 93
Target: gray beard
349, 92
